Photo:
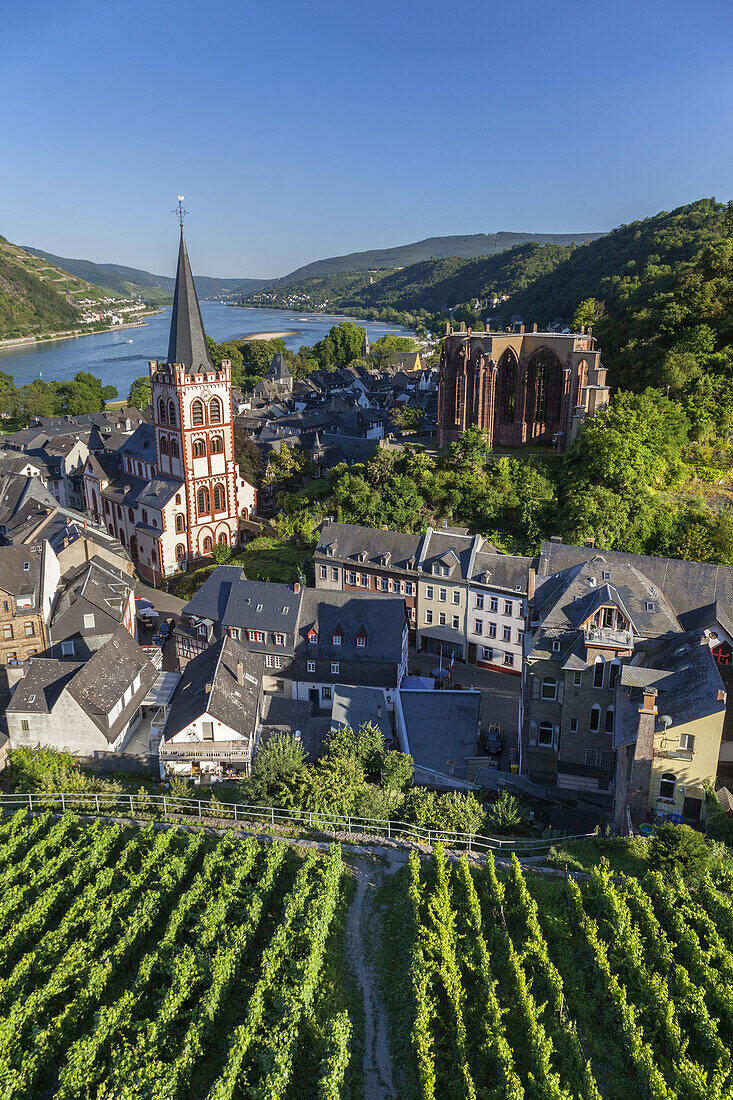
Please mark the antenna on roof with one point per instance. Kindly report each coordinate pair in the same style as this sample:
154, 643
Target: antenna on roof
179, 211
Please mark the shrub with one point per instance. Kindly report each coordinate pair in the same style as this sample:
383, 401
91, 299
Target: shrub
504, 815
397, 770
679, 847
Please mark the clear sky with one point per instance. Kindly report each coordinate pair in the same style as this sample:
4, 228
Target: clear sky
298, 129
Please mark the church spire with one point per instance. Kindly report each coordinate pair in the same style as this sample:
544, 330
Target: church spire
187, 343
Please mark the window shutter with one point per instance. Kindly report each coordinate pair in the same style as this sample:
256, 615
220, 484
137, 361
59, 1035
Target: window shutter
560, 690
533, 733
535, 687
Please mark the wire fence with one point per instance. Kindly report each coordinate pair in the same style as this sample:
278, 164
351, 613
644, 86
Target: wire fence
274, 819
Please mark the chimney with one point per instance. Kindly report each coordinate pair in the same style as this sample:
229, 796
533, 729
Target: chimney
590, 542
240, 672
207, 689
521, 328
385, 527
531, 577
649, 705
534, 327
86, 547
296, 587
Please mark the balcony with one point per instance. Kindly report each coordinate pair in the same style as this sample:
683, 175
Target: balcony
607, 637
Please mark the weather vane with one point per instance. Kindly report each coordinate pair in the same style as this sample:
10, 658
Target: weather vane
180, 212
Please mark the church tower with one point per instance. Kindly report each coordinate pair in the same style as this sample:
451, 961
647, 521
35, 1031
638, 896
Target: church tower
194, 431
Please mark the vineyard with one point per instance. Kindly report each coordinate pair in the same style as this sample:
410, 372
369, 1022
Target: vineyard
163, 964
607, 988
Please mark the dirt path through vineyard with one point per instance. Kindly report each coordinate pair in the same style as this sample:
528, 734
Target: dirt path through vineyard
377, 1059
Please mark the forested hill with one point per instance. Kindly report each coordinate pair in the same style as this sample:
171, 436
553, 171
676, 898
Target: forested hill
33, 294
133, 282
659, 293
467, 246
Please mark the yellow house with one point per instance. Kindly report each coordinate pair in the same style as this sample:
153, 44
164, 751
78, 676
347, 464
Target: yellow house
670, 707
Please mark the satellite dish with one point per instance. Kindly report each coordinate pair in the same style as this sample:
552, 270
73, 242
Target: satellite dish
665, 720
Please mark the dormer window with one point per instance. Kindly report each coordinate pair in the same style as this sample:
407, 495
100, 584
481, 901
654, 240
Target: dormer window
312, 637
337, 638
329, 551
361, 639
279, 639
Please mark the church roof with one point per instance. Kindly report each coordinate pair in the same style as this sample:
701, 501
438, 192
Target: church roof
187, 342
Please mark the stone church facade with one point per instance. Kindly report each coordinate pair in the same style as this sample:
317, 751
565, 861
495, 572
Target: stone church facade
173, 490
521, 387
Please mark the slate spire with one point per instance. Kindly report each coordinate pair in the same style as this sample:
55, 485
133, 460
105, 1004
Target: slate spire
187, 342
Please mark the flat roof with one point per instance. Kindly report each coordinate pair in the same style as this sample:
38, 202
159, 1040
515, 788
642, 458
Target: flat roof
441, 726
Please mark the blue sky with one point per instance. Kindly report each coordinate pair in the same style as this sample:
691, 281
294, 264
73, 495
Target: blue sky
299, 129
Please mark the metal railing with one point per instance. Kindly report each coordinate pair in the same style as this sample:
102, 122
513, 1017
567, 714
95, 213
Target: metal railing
272, 817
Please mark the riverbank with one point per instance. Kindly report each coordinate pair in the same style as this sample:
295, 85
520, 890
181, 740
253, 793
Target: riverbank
28, 341
271, 335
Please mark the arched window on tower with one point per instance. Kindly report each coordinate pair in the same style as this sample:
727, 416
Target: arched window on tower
174, 448
197, 413
164, 445
203, 501
161, 411
180, 523
215, 411
219, 498
171, 412
199, 448
217, 444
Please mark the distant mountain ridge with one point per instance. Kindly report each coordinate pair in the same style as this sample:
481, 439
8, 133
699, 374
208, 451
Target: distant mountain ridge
466, 246
134, 282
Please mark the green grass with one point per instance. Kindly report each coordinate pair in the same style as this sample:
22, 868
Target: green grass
627, 855
263, 559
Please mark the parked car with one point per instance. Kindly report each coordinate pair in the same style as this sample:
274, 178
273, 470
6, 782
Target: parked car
494, 739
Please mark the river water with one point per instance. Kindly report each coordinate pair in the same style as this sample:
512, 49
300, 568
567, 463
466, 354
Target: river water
120, 356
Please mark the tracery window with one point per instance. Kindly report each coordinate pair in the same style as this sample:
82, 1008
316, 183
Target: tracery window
203, 501
199, 448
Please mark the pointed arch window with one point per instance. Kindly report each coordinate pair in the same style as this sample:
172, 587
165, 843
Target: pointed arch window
203, 501
215, 411
219, 498
180, 523
598, 670
217, 445
164, 444
208, 545
174, 448
161, 411
507, 372
197, 413
171, 412
199, 448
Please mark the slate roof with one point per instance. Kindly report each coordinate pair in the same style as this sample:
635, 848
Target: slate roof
14, 578
439, 546
141, 444
187, 343
689, 586
228, 597
508, 572
381, 618
103, 679
41, 687
684, 672
226, 699
278, 369
351, 538
97, 583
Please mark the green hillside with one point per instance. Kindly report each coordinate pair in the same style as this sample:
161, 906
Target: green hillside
33, 294
466, 246
133, 282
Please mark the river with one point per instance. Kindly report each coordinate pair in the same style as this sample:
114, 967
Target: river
120, 356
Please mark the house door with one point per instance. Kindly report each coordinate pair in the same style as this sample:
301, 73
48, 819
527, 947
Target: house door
691, 809
471, 653
314, 697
